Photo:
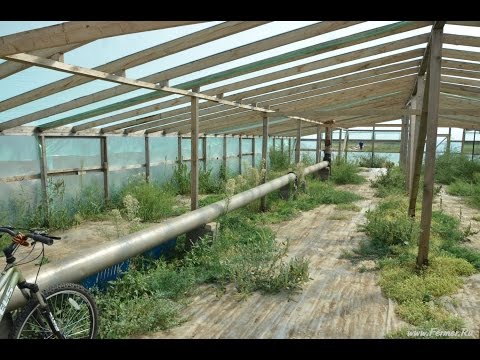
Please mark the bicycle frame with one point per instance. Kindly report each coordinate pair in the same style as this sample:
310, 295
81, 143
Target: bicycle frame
9, 279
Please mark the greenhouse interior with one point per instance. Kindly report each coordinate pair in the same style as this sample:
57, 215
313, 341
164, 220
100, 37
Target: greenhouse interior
203, 174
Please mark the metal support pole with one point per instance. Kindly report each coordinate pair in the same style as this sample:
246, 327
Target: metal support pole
263, 200
298, 142
147, 159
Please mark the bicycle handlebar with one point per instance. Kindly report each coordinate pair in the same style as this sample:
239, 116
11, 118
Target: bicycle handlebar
43, 238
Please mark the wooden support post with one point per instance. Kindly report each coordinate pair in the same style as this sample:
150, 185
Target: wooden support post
263, 200
318, 147
253, 151
194, 153
325, 172
298, 143
403, 143
180, 156
339, 144
449, 139
345, 144
204, 153
473, 144
408, 156
43, 176
432, 124
415, 125
147, 159
373, 144
463, 142
420, 133
240, 154
104, 159
224, 158
274, 143
282, 146
289, 150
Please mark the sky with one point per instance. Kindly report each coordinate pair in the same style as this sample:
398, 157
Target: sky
105, 50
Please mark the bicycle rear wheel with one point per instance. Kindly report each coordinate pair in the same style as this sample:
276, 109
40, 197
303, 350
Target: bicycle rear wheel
73, 308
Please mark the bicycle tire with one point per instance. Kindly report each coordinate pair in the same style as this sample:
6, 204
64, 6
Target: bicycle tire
72, 306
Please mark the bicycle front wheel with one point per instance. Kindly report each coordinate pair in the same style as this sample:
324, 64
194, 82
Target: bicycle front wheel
72, 307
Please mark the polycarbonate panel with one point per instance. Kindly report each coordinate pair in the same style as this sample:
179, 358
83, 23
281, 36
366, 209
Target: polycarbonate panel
232, 146
118, 179
187, 148
232, 166
125, 150
72, 186
17, 200
72, 153
162, 173
214, 148
247, 146
308, 144
19, 155
163, 148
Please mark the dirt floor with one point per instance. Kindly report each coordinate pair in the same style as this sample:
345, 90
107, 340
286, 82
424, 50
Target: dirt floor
340, 301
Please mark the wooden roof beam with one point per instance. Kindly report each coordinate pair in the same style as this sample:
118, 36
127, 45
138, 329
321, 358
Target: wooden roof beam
258, 65
135, 59
76, 32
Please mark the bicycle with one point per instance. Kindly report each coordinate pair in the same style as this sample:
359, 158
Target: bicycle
62, 311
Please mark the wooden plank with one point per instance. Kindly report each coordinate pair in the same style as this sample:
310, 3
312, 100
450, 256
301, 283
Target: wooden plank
298, 142
51, 64
179, 150
464, 40
224, 157
287, 94
461, 54
432, 119
19, 178
240, 154
269, 77
263, 200
448, 139
194, 154
244, 69
253, 150
105, 167
463, 142
464, 23
318, 144
373, 144
403, 142
147, 159
44, 175
246, 50
11, 67
76, 32
204, 153
135, 59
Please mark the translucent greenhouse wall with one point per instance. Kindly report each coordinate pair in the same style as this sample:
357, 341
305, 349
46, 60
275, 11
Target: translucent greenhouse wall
76, 164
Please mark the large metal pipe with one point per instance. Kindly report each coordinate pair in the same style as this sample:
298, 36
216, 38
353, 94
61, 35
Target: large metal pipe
93, 260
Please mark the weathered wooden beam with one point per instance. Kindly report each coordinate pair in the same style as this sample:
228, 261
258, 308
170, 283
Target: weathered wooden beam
334, 60
194, 153
432, 120
105, 167
318, 144
298, 142
135, 59
263, 200
259, 65
147, 159
76, 32
44, 176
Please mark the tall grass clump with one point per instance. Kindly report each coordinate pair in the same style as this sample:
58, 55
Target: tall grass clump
155, 201
209, 183
345, 172
181, 179
376, 161
390, 182
278, 160
450, 167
